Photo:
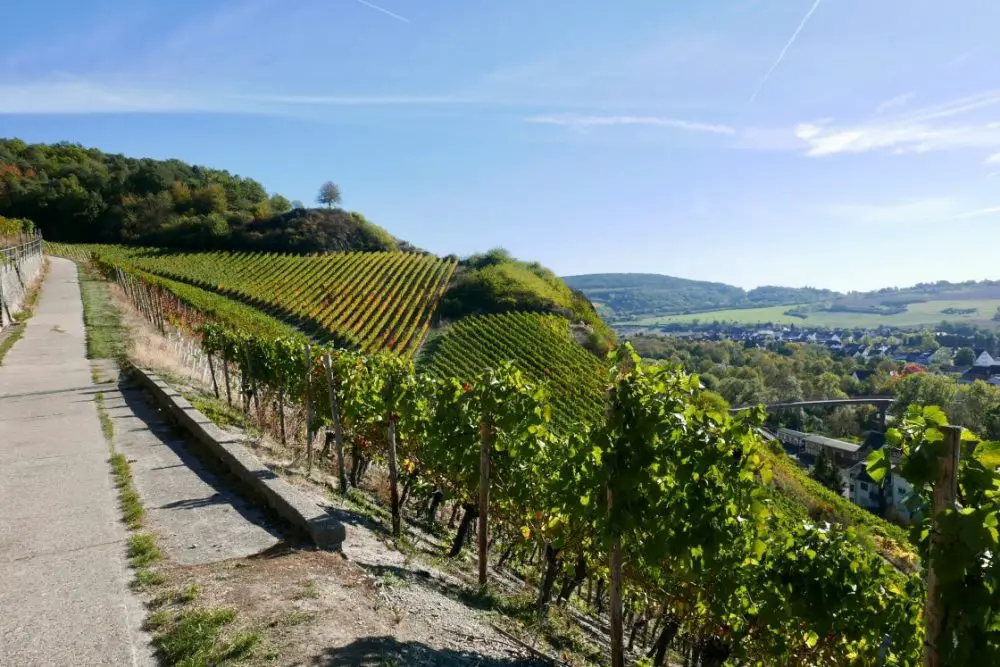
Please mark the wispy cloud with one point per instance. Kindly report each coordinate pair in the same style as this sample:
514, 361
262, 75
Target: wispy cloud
918, 211
893, 102
924, 130
993, 159
356, 100
582, 123
80, 96
784, 51
907, 211
384, 11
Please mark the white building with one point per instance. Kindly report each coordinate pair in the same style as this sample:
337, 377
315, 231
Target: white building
863, 491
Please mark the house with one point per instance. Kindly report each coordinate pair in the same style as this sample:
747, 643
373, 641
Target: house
986, 368
899, 491
862, 489
983, 359
892, 494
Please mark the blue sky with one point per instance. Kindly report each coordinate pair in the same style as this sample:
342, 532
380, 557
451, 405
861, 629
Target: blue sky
849, 144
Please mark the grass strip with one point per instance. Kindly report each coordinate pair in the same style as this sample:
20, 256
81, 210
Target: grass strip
107, 337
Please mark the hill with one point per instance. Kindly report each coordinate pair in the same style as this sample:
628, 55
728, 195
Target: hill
632, 296
495, 282
83, 195
651, 300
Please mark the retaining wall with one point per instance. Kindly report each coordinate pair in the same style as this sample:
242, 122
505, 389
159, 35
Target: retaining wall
289, 503
19, 266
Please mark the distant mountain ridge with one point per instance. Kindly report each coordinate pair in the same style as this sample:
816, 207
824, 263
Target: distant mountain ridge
625, 296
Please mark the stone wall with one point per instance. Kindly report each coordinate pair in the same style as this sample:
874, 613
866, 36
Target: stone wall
20, 265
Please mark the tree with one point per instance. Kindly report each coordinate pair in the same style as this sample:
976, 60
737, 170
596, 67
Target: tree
296, 204
329, 194
825, 472
279, 204
965, 356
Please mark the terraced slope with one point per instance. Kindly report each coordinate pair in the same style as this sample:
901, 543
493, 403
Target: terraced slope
541, 345
369, 300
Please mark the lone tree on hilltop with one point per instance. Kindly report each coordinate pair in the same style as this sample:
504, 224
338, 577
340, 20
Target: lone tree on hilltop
329, 194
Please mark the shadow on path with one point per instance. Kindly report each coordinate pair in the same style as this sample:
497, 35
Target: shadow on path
378, 651
209, 470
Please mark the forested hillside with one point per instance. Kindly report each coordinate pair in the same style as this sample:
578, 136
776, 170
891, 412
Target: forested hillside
655, 300
83, 195
626, 296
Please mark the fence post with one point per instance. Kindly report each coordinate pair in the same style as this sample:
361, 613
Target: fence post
3, 270
945, 491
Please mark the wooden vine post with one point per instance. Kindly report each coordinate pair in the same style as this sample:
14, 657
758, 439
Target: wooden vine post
485, 446
309, 430
281, 412
211, 369
225, 375
338, 435
615, 594
393, 475
945, 492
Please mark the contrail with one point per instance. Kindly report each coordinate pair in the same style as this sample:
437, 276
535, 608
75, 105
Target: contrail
781, 56
384, 11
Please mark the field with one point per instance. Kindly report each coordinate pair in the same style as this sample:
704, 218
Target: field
916, 315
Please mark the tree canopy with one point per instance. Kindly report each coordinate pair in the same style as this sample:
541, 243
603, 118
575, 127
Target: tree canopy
83, 195
329, 194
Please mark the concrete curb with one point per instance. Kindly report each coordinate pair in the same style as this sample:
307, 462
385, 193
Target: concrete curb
290, 503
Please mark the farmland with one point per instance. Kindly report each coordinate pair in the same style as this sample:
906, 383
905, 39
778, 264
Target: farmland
916, 315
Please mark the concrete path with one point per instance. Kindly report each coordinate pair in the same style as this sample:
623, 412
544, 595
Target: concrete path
194, 512
64, 597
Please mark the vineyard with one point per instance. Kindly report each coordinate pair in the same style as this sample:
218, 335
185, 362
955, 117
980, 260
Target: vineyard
622, 477
540, 345
369, 301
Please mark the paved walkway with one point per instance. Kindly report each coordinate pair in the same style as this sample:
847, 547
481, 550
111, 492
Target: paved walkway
196, 516
64, 597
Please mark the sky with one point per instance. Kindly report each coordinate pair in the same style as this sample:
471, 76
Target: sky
846, 144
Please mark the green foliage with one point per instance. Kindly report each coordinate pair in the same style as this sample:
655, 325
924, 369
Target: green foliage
683, 479
196, 638
826, 473
965, 356
329, 194
539, 345
496, 282
13, 227
966, 558
742, 375
81, 195
820, 598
